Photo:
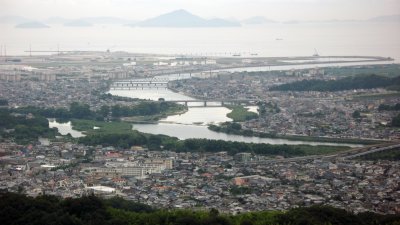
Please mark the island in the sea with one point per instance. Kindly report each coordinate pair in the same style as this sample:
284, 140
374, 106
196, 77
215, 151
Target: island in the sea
33, 24
183, 18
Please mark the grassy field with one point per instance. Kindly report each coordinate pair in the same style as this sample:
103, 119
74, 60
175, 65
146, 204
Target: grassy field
240, 114
104, 127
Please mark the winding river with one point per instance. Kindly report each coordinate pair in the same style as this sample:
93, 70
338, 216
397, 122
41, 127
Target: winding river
193, 123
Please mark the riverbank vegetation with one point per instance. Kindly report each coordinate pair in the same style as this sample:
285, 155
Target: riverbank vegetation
233, 147
162, 142
100, 127
392, 155
82, 111
147, 108
384, 107
396, 121
240, 113
20, 209
121, 135
347, 83
24, 128
236, 128
119, 140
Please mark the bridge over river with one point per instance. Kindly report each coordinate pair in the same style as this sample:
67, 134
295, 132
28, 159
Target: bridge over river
221, 101
162, 83
140, 84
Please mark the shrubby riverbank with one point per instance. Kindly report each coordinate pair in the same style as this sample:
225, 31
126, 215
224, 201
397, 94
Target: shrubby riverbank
235, 128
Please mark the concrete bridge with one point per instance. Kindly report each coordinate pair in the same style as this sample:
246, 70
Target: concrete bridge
144, 80
221, 101
139, 84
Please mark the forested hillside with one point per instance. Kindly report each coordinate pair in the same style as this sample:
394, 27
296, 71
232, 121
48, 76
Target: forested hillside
19, 209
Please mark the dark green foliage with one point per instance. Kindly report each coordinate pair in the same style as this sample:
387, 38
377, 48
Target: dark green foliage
120, 203
145, 109
24, 128
230, 128
319, 215
3, 102
104, 110
59, 113
240, 114
384, 107
82, 111
206, 145
236, 128
348, 83
356, 114
396, 121
19, 209
237, 190
267, 107
89, 209
322, 215
117, 98
126, 140
393, 155
115, 139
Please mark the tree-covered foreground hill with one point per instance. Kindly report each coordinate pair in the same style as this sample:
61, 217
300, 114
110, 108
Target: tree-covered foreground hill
19, 209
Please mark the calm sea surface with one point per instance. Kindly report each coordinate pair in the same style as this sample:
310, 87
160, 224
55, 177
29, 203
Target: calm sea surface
372, 39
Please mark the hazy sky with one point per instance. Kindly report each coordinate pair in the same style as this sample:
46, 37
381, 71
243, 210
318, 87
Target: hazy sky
141, 9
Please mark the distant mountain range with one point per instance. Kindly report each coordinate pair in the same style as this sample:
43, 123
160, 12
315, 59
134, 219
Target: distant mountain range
182, 18
91, 20
177, 18
32, 25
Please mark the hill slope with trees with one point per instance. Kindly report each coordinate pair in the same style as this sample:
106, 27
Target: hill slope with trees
18, 209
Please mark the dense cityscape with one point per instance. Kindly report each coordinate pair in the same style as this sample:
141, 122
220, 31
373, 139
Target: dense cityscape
231, 182
199, 112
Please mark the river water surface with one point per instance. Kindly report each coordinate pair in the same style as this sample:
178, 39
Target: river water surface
193, 123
